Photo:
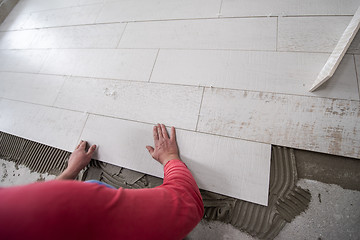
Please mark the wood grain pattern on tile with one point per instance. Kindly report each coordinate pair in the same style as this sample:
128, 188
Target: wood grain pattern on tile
244, 8
22, 60
228, 166
52, 126
242, 33
145, 102
126, 64
311, 34
33, 88
315, 124
281, 72
135, 10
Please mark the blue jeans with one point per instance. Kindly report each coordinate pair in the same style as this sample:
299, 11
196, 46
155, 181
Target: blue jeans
100, 183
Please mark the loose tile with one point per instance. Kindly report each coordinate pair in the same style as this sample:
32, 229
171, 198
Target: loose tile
90, 36
127, 64
311, 34
134, 10
234, 167
242, 33
314, 124
22, 60
51, 126
145, 102
281, 72
32, 88
244, 8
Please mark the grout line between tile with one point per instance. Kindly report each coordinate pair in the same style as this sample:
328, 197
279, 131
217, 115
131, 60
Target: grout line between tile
357, 76
157, 54
220, 9
198, 118
122, 34
187, 85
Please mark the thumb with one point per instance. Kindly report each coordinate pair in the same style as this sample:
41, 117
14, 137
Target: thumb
91, 150
150, 149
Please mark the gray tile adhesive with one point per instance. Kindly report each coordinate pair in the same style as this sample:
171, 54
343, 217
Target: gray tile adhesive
286, 200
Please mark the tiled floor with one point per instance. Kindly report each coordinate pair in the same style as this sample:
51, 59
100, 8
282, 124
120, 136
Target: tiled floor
227, 74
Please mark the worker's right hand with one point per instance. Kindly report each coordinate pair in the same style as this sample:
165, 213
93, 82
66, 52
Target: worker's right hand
165, 148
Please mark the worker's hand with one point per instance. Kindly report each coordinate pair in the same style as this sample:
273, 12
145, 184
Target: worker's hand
165, 148
77, 161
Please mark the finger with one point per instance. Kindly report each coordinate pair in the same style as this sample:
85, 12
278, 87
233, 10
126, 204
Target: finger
158, 127
82, 145
164, 131
155, 133
150, 149
78, 145
173, 134
91, 150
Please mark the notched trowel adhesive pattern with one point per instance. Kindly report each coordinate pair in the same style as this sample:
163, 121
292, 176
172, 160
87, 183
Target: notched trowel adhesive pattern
286, 200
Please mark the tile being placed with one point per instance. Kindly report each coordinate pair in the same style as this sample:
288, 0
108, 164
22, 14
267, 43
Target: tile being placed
32, 88
281, 72
51, 126
89, 36
241, 33
311, 34
228, 166
315, 124
135, 10
128, 64
145, 102
243, 8
22, 60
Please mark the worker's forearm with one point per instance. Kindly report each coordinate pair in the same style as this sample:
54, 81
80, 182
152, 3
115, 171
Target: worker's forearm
67, 174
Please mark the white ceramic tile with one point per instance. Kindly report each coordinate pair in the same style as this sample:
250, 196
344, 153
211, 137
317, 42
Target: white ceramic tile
281, 72
128, 64
17, 39
357, 62
89, 36
315, 124
145, 102
242, 33
133, 10
28, 87
242, 8
43, 5
51, 126
310, 34
22, 60
15, 20
63, 17
228, 166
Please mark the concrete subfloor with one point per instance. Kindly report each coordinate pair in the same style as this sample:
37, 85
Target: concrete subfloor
334, 212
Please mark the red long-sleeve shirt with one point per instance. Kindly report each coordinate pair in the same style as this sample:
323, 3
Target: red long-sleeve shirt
76, 210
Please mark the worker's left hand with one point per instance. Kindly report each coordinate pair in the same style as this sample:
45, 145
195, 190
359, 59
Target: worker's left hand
79, 159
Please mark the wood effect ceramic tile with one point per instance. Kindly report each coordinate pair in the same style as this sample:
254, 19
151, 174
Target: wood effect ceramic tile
129, 10
243, 8
311, 34
22, 60
43, 5
15, 20
17, 39
89, 36
63, 17
281, 72
355, 45
234, 167
145, 102
33, 88
51, 126
128, 64
242, 33
314, 124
